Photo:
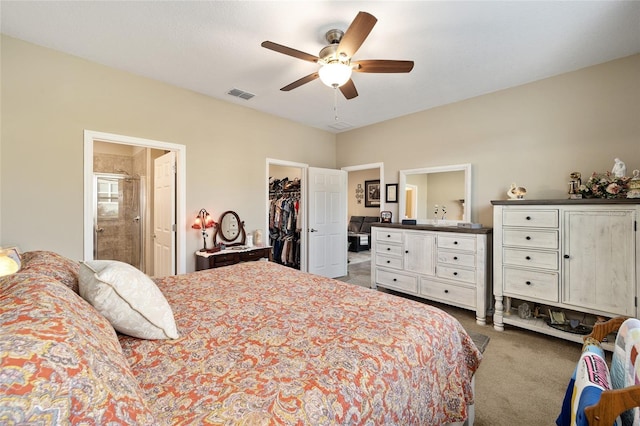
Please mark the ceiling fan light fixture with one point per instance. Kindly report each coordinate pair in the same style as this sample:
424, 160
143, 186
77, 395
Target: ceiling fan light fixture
335, 74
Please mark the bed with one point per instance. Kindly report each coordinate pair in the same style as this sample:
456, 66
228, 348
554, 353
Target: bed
260, 343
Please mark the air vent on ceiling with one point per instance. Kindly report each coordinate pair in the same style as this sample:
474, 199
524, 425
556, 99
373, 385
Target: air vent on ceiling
240, 94
340, 125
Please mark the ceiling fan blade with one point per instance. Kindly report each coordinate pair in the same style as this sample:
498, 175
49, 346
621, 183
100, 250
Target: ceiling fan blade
382, 66
349, 90
300, 82
356, 34
289, 51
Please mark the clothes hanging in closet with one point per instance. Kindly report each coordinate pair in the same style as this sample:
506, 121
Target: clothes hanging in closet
284, 222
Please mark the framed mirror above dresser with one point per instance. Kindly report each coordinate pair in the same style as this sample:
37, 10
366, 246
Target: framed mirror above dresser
435, 195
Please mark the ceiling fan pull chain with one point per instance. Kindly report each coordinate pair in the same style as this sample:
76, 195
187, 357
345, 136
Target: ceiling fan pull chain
335, 103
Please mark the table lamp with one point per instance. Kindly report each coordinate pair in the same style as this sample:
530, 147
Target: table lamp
203, 221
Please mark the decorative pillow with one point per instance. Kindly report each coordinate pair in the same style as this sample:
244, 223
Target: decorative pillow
52, 265
132, 303
60, 360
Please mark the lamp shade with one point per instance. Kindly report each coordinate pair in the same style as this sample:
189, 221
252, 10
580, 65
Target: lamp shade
335, 74
208, 221
197, 223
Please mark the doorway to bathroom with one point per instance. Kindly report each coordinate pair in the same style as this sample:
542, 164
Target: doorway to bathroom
122, 219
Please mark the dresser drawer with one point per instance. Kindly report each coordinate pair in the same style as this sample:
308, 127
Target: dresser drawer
394, 280
456, 258
531, 258
461, 296
388, 235
388, 261
456, 242
390, 249
537, 284
530, 238
531, 218
456, 274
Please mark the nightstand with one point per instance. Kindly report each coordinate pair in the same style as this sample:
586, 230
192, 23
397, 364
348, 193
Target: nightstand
231, 256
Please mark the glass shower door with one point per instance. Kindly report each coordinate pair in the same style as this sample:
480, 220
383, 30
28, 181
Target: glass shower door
118, 219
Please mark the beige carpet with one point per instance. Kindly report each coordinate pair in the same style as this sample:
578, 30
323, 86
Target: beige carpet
523, 375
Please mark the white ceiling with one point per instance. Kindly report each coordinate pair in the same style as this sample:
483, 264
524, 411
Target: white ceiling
460, 49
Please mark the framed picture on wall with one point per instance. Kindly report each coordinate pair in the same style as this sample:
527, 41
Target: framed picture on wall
392, 193
372, 193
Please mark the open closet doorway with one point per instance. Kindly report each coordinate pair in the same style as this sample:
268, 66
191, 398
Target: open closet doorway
321, 215
119, 203
359, 215
286, 213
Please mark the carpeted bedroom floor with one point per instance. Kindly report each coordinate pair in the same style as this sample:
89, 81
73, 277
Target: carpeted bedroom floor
523, 375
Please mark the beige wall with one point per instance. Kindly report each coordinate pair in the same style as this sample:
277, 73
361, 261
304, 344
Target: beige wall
534, 135
359, 177
50, 98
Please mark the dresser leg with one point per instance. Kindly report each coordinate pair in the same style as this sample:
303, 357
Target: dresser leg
498, 323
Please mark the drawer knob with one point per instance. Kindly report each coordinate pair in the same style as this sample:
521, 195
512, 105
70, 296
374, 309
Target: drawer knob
455, 273
446, 291
388, 236
388, 248
455, 257
395, 279
566, 256
528, 257
528, 237
455, 243
406, 251
388, 261
528, 218
528, 283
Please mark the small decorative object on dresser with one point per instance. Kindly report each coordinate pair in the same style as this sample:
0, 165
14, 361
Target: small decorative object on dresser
634, 185
605, 185
574, 185
619, 168
385, 216
516, 192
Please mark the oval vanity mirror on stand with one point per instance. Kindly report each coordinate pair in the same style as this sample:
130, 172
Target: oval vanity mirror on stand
230, 230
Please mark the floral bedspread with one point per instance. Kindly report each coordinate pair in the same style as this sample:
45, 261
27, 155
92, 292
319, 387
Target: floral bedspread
264, 344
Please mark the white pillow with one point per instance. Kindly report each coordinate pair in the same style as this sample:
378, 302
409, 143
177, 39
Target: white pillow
125, 296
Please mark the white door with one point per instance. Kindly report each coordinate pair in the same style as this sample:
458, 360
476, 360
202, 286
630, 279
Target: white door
164, 216
327, 224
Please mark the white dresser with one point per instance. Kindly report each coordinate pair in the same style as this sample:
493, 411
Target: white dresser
446, 264
575, 256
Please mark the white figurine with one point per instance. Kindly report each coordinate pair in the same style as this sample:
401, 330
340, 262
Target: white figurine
619, 169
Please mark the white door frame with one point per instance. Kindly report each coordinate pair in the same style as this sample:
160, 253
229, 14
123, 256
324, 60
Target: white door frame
90, 137
369, 166
303, 203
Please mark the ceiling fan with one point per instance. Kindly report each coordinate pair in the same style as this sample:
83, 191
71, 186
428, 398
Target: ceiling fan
336, 58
